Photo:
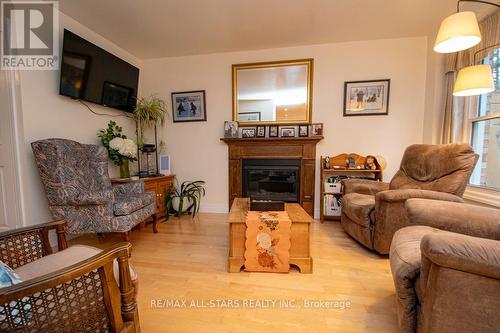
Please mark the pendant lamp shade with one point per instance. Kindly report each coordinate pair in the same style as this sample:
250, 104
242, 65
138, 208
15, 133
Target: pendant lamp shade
474, 80
458, 32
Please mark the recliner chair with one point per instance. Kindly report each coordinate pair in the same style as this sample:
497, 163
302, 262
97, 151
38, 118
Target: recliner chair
446, 268
373, 211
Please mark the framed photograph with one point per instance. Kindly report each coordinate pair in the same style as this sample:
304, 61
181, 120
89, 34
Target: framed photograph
273, 131
230, 129
261, 131
317, 129
164, 164
366, 98
189, 106
248, 132
249, 116
303, 130
287, 132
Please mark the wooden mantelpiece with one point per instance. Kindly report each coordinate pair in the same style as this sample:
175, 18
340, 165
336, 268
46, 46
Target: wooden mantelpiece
303, 149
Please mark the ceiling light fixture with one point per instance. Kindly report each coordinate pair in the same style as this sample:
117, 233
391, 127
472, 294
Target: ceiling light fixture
459, 31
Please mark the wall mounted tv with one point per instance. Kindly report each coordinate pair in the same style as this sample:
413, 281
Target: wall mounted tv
92, 74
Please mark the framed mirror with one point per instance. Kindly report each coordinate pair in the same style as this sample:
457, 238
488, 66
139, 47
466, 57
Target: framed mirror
277, 92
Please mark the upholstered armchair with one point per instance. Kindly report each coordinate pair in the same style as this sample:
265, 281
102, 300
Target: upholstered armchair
373, 211
79, 190
77, 289
446, 268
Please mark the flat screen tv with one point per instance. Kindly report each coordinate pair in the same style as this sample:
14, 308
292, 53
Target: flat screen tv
92, 74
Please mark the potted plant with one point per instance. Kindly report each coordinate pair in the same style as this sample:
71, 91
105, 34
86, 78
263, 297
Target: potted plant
148, 112
120, 149
185, 198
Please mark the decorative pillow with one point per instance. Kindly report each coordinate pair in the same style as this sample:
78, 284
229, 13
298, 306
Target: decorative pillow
20, 310
7, 276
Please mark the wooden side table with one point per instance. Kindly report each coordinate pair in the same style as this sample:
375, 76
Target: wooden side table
300, 254
157, 185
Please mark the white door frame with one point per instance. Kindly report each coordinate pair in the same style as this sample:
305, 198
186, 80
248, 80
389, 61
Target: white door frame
10, 101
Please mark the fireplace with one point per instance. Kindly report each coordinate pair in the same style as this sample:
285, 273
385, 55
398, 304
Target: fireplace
299, 155
271, 179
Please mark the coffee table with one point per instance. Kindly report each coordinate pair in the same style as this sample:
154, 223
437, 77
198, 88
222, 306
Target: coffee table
300, 255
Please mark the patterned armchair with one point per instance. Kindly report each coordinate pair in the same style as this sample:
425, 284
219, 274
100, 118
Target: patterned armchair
79, 190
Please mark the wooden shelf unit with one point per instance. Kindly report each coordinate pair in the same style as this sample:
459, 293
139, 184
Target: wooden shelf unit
338, 167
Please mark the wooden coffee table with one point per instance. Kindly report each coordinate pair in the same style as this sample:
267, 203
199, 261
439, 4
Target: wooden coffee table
300, 255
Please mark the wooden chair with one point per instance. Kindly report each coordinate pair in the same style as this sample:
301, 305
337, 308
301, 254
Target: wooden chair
84, 296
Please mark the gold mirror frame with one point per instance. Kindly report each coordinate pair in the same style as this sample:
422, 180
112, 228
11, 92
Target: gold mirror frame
310, 67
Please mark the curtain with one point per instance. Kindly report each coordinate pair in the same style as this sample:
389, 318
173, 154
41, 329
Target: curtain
458, 110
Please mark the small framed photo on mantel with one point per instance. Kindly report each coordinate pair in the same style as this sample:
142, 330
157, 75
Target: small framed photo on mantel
189, 106
366, 98
248, 132
261, 131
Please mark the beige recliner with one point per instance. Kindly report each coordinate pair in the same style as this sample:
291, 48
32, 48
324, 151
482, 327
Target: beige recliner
446, 268
373, 211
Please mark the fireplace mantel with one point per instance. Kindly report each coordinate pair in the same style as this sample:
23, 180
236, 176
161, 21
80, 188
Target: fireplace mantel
303, 149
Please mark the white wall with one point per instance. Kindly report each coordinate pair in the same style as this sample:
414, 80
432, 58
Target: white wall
46, 114
197, 152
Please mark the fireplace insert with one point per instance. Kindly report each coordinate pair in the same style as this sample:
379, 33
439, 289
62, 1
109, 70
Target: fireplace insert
271, 179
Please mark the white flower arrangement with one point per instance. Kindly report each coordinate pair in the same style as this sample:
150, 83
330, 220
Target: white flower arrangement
125, 147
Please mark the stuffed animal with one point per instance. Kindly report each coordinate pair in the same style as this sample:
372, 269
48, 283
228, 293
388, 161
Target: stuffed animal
370, 163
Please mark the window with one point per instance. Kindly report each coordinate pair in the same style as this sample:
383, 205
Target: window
485, 137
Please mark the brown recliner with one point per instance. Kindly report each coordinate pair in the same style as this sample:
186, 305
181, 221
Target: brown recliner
446, 268
373, 211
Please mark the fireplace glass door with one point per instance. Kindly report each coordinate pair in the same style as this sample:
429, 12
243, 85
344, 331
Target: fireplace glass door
272, 179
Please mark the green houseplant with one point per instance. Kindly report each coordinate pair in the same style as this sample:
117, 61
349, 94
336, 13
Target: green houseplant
120, 149
185, 198
148, 112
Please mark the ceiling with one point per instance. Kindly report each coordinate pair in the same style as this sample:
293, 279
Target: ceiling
167, 28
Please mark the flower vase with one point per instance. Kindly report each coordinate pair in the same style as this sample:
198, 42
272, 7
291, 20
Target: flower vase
124, 170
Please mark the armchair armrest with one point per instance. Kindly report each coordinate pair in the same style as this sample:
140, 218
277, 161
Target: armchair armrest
403, 195
28, 303
27, 244
461, 252
128, 188
364, 186
461, 218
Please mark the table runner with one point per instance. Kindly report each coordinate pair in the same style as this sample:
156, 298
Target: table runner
267, 245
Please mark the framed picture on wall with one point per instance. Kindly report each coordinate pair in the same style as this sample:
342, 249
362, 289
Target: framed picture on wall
366, 98
189, 106
248, 116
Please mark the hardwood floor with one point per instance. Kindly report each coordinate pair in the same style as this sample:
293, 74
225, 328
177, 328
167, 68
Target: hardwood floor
187, 260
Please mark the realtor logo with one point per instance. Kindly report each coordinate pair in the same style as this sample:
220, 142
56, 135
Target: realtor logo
30, 35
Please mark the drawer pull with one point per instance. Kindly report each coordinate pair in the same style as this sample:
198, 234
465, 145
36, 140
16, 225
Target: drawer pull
309, 197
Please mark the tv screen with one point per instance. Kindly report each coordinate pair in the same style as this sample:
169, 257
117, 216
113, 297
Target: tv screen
92, 74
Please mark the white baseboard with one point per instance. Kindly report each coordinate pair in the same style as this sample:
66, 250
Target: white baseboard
213, 208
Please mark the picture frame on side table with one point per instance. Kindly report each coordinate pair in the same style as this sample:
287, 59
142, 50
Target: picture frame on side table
273, 131
303, 131
164, 164
366, 98
317, 129
248, 132
287, 132
189, 106
261, 131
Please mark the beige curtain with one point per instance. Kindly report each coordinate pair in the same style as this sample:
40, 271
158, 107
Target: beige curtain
458, 110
